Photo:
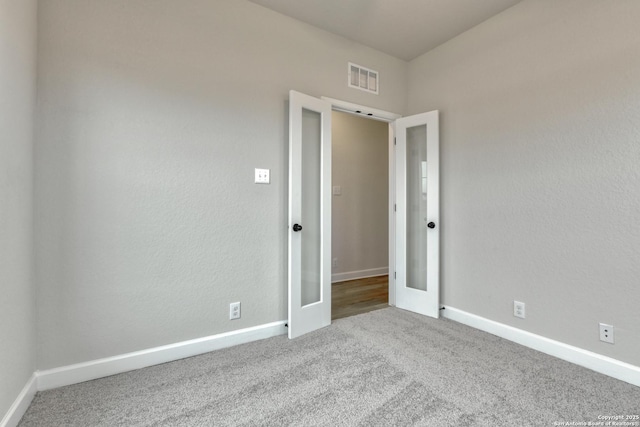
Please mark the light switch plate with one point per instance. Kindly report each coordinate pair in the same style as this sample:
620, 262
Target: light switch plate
262, 176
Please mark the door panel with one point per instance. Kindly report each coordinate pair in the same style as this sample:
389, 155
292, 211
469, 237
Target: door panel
309, 214
417, 213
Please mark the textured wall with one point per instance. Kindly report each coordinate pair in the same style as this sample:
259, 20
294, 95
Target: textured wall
360, 238
540, 160
153, 115
17, 103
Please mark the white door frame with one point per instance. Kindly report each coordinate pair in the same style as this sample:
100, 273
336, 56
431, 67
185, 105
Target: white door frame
390, 118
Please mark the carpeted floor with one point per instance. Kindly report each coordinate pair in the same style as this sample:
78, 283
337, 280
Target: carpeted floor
384, 368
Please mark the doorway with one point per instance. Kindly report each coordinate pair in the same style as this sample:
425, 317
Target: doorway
360, 214
310, 199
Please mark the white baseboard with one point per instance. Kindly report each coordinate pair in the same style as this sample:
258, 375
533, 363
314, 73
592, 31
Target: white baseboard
361, 274
100, 368
594, 361
21, 404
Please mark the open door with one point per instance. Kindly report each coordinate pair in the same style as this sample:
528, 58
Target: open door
417, 214
309, 214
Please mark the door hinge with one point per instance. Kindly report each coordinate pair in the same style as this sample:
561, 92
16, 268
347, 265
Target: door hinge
394, 274
394, 207
394, 141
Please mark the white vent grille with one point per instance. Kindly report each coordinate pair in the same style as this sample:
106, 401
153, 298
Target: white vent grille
363, 78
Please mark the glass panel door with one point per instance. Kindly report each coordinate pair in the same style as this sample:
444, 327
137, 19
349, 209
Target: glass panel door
417, 213
309, 214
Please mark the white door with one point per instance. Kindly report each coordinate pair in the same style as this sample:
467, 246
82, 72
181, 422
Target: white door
309, 214
417, 213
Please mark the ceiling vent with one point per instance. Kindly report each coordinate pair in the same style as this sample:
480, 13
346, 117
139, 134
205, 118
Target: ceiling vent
363, 78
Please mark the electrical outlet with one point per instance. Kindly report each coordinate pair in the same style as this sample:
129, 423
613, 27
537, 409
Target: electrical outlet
234, 310
334, 262
606, 333
518, 309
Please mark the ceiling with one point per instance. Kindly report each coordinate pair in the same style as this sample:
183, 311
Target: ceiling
401, 28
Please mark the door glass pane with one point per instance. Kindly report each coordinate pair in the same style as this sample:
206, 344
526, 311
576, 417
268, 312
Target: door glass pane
416, 255
310, 234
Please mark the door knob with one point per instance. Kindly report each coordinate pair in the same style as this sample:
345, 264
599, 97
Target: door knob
431, 225
297, 227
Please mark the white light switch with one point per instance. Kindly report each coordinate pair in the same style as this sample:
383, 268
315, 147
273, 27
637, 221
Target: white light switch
337, 190
262, 176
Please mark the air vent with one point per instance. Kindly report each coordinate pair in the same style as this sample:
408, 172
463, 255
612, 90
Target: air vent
363, 78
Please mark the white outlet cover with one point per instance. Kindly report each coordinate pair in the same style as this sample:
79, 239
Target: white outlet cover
262, 176
606, 333
519, 309
234, 310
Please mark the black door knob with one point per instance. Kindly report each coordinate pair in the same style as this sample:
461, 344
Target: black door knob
431, 225
297, 227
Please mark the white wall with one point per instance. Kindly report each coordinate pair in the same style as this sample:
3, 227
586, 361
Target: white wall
17, 103
540, 168
153, 116
360, 227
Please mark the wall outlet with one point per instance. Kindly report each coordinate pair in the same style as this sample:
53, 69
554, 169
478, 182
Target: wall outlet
518, 309
606, 333
334, 262
234, 310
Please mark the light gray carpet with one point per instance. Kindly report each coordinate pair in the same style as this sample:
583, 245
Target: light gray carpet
387, 367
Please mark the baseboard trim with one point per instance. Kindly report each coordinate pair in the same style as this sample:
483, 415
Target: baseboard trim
81, 372
21, 404
360, 274
588, 359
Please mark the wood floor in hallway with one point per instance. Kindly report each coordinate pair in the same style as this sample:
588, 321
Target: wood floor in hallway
359, 296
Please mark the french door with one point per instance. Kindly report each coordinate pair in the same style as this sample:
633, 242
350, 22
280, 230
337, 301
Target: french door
417, 213
309, 232
309, 214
